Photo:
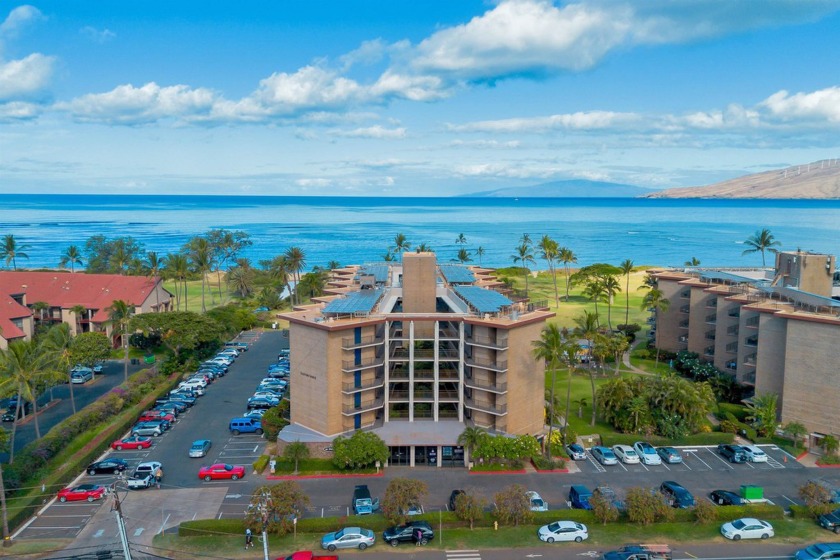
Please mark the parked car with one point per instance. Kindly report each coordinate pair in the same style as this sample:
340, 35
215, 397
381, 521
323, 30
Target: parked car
819, 551
219, 364
89, 492
626, 453
725, 498
148, 467
536, 502
830, 521
563, 531
604, 455
107, 466
221, 471
610, 496
169, 408
132, 442
405, 533
262, 402
647, 453
269, 394
152, 415
747, 528
81, 376
147, 429
255, 413
349, 537
139, 481
670, 455
576, 452
732, 453
452, 497
188, 398
178, 405
676, 494
245, 426
579, 496
754, 454
200, 447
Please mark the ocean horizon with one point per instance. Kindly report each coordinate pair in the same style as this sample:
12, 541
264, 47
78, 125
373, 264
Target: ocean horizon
355, 230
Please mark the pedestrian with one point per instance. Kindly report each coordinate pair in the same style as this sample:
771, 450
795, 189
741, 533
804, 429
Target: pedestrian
158, 476
249, 542
418, 536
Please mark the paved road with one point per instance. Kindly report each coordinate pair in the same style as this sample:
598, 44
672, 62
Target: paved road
86, 393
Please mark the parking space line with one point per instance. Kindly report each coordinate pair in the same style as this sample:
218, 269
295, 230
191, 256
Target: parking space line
719, 458
774, 464
694, 454
788, 499
600, 468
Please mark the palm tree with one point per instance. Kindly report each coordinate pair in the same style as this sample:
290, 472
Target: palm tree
692, 262
177, 267
296, 261
550, 251
463, 256
761, 241
78, 312
11, 250
554, 348
201, 256
4, 446
461, 240
241, 281
611, 287
72, 256
22, 366
332, 265
587, 328
121, 258
479, 252
596, 291
401, 244
423, 248
57, 342
470, 438
656, 301
626, 268
525, 256
119, 315
154, 264
567, 257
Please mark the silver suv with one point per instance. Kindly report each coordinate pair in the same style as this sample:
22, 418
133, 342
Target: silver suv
147, 429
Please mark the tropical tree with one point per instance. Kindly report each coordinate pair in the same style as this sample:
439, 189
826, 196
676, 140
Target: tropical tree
57, 343
795, 431
831, 444
177, 268
154, 264
461, 240
626, 268
525, 256
479, 252
4, 447
760, 242
11, 250
511, 505
693, 261
656, 301
463, 256
586, 328
763, 413
400, 495
295, 262
78, 312
275, 508
423, 248
611, 287
201, 256
360, 450
401, 245
554, 349
469, 507
550, 251
119, 315
567, 257
470, 438
241, 281
296, 451
22, 367
72, 256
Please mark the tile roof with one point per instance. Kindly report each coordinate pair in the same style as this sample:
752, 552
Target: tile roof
67, 289
10, 309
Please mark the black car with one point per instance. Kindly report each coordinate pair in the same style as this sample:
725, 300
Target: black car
261, 402
107, 466
168, 407
406, 533
9, 415
173, 403
452, 497
187, 402
732, 453
726, 498
676, 494
186, 398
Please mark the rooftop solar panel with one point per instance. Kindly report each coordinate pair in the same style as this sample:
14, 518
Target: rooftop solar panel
457, 274
483, 301
727, 276
379, 271
355, 302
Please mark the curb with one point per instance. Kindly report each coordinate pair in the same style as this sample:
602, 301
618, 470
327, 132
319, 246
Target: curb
308, 476
523, 471
828, 466
802, 455
560, 471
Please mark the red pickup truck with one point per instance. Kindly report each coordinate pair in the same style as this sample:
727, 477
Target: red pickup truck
151, 415
308, 555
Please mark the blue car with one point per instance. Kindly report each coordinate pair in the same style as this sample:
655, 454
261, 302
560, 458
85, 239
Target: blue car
604, 455
669, 455
820, 551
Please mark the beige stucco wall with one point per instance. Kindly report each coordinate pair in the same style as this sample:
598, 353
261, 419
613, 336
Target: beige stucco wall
315, 377
667, 322
526, 381
770, 363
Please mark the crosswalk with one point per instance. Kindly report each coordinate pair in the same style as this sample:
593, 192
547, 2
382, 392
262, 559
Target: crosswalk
462, 555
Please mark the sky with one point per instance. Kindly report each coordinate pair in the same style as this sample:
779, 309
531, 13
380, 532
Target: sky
407, 98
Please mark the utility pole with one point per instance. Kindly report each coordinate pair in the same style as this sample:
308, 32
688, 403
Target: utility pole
121, 524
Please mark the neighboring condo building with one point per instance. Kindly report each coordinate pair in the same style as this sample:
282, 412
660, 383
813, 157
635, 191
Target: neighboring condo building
777, 331
415, 352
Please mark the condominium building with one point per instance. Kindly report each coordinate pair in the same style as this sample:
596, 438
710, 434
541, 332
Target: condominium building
415, 352
776, 331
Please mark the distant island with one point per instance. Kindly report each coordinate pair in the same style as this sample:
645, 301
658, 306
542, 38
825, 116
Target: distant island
816, 180
573, 188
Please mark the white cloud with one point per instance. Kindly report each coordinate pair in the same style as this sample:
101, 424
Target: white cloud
18, 18
493, 144
314, 182
376, 131
19, 110
127, 104
412, 87
593, 120
25, 78
821, 105
96, 35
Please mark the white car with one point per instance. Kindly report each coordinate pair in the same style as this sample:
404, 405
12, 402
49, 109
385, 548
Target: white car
221, 358
196, 380
626, 454
230, 352
536, 502
747, 528
647, 453
754, 454
563, 531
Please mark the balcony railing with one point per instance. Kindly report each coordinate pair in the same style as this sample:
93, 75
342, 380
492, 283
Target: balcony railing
683, 324
499, 388
748, 378
751, 341
685, 294
422, 395
349, 343
685, 309
683, 338
732, 347
350, 409
711, 334
349, 388
735, 313
448, 333
483, 364
733, 330
500, 342
731, 365
750, 359
711, 303
709, 351
351, 365
486, 406
711, 319
752, 322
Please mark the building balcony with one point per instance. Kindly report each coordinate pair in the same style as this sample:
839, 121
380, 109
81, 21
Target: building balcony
685, 309
735, 313
348, 366
498, 388
351, 409
424, 374
750, 360
752, 322
349, 343
500, 342
710, 335
683, 324
683, 338
424, 395
350, 388
486, 406
449, 333
732, 347
751, 340
748, 378
685, 294
448, 374
709, 351
711, 319
711, 303
484, 364
732, 331
731, 365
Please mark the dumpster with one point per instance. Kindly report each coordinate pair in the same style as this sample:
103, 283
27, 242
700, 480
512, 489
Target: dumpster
751, 492
149, 359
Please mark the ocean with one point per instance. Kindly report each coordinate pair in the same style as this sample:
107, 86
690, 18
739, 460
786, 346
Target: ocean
359, 230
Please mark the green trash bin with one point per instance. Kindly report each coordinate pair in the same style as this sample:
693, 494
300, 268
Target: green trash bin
149, 359
751, 492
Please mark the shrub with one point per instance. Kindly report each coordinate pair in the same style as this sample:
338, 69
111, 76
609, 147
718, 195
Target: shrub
261, 463
729, 427
704, 512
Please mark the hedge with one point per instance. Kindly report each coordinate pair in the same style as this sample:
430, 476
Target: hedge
261, 463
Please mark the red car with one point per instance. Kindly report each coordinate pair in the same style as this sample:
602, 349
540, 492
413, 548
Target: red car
89, 492
151, 415
132, 442
222, 471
